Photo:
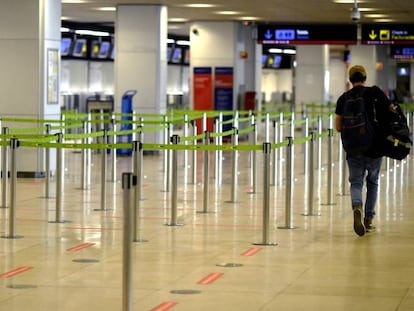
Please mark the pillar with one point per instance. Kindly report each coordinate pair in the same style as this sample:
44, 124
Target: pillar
141, 59
30, 60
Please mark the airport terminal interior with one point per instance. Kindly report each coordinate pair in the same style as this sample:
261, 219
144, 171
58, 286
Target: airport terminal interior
67, 252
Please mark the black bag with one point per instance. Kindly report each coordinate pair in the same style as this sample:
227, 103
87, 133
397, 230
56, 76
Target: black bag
396, 139
357, 132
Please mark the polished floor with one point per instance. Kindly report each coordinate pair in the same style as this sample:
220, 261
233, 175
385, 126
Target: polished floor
209, 259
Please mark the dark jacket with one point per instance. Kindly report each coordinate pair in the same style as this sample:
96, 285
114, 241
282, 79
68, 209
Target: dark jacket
377, 107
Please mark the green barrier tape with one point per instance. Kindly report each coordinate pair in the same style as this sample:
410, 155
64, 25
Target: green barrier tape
29, 129
246, 130
30, 120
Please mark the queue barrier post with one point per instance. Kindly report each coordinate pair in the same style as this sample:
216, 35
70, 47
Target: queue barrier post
128, 182
174, 182
47, 164
289, 184
311, 177
137, 158
14, 144
206, 172
234, 167
266, 196
5, 170
59, 180
104, 158
330, 167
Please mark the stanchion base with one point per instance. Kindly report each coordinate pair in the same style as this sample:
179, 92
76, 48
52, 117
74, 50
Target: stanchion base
313, 214
287, 227
328, 204
251, 192
59, 222
235, 202
139, 240
205, 212
103, 209
173, 224
265, 244
12, 236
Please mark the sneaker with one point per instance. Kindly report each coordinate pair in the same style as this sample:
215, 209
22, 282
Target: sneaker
359, 227
369, 227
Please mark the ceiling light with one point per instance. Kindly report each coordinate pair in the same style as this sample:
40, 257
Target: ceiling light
64, 29
249, 18
107, 9
275, 50
183, 42
289, 51
177, 20
199, 5
227, 12
376, 15
73, 1
92, 33
170, 40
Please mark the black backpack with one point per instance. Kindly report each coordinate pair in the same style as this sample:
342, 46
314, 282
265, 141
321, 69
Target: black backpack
357, 131
395, 135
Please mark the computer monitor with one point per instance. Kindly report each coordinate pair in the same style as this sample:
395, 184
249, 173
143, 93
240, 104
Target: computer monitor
177, 56
65, 45
80, 48
104, 50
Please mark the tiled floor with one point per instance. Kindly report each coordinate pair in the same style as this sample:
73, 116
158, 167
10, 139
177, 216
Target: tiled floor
211, 260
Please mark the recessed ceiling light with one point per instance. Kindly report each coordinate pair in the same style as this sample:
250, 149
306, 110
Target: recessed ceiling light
376, 15
107, 9
227, 12
177, 20
73, 1
384, 20
199, 5
249, 18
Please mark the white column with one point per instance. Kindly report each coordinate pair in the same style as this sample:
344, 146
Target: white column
312, 74
30, 60
141, 59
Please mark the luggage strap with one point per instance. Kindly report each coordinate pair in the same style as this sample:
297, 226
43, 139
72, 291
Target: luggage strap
396, 142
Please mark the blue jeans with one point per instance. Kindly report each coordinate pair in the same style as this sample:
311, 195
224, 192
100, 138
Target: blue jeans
358, 166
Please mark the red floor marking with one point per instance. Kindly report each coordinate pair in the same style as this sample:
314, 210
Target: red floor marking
252, 251
165, 306
79, 247
210, 278
15, 272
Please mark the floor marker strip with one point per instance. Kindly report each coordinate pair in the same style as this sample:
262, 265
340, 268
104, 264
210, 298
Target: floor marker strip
14, 272
165, 306
252, 251
79, 247
210, 278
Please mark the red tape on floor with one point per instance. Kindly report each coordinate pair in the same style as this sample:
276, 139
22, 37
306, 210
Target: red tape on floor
14, 272
252, 251
165, 306
79, 247
210, 278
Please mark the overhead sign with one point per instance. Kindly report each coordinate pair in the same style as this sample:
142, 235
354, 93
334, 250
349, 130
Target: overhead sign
307, 34
402, 51
387, 34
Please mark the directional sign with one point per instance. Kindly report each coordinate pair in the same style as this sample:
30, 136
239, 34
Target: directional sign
402, 51
387, 34
307, 34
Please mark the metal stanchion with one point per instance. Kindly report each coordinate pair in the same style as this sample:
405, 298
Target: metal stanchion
194, 154
167, 157
220, 152
311, 177
206, 173
113, 150
320, 130
280, 170
14, 144
5, 170
234, 171
289, 184
330, 167
266, 195
344, 175
103, 172
306, 147
59, 181
137, 156
185, 133
275, 153
128, 182
47, 164
253, 175
174, 182
84, 159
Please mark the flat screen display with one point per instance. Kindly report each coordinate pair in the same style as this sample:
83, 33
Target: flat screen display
104, 49
80, 49
65, 46
177, 56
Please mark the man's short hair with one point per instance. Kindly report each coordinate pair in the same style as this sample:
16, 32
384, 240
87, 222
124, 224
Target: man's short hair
357, 73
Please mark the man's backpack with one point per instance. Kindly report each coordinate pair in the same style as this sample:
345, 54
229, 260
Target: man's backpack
395, 135
357, 132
